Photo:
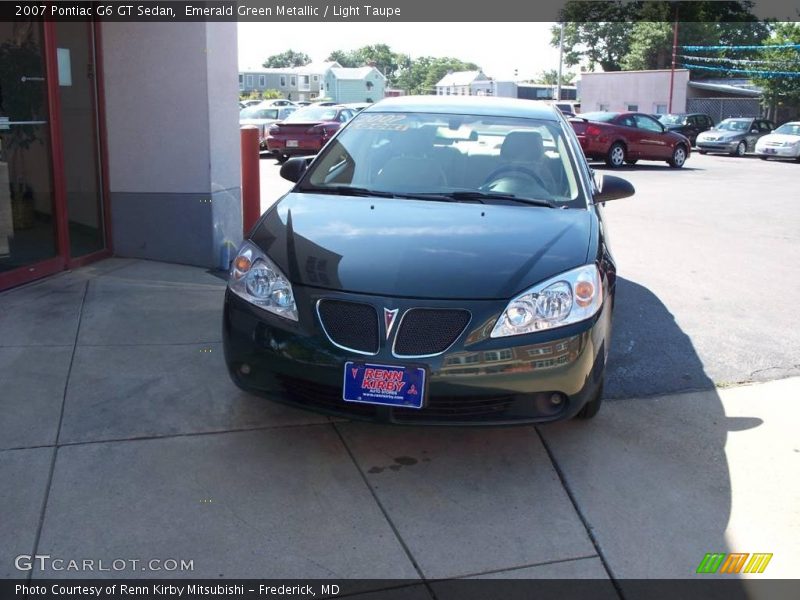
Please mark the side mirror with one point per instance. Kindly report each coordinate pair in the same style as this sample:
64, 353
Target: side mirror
754, 130
610, 187
294, 168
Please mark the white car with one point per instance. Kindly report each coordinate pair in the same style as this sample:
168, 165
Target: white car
784, 142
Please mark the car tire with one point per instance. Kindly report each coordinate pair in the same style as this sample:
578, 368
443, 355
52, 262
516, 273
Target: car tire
763, 157
282, 158
678, 157
631, 161
616, 155
703, 151
592, 407
741, 149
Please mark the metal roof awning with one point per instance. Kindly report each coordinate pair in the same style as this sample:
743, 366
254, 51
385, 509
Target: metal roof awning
725, 89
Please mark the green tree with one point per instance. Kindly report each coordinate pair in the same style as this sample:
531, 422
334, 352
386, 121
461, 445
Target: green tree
781, 89
638, 35
290, 58
550, 77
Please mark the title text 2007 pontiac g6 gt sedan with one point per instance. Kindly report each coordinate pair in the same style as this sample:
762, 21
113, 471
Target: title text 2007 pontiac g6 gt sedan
442, 260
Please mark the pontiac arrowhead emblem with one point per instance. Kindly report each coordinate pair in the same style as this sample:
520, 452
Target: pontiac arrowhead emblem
388, 319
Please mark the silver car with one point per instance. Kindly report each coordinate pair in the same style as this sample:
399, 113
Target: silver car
735, 136
262, 116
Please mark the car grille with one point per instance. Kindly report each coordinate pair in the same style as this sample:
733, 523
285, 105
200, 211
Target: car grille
444, 408
427, 331
438, 409
350, 325
315, 395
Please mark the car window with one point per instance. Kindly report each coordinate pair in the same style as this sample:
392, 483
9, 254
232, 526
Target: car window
254, 112
764, 126
789, 129
413, 153
647, 123
310, 114
735, 125
626, 121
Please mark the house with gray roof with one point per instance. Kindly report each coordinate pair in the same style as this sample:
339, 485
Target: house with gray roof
359, 84
464, 83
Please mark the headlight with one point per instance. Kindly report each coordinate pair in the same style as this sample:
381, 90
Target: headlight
562, 300
258, 280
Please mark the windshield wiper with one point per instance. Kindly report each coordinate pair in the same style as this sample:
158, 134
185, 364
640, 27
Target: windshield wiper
344, 190
480, 196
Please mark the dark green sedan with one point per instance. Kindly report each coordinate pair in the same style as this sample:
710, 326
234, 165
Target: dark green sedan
442, 260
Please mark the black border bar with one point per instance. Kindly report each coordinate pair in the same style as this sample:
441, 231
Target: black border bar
376, 11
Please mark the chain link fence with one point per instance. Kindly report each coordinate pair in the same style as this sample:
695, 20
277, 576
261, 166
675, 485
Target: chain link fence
722, 108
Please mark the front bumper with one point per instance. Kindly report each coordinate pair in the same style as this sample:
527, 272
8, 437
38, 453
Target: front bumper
478, 380
717, 146
778, 151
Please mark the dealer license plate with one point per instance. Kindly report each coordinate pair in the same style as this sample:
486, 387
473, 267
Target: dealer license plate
386, 385
291, 143
770, 151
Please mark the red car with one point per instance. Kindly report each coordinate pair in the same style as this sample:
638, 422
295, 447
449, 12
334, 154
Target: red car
620, 138
306, 130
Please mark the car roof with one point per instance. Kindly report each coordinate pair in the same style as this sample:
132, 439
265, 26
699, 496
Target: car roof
470, 105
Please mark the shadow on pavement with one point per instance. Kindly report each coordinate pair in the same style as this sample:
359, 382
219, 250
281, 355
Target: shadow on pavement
650, 476
650, 354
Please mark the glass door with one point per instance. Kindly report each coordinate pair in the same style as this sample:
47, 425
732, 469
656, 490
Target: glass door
80, 140
28, 219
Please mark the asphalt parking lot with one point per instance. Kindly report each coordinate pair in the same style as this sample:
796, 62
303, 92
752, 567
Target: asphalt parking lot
707, 257
123, 438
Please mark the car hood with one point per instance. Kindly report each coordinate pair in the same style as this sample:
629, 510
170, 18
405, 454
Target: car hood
780, 138
421, 249
721, 133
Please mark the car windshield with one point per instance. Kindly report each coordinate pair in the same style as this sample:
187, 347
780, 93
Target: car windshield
599, 116
254, 112
672, 119
450, 157
735, 125
788, 129
311, 114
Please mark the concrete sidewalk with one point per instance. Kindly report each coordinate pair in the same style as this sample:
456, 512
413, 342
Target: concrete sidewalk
122, 438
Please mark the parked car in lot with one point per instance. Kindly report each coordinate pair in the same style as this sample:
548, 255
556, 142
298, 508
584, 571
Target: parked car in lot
443, 259
278, 102
784, 142
357, 106
306, 131
262, 116
688, 124
735, 136
620, 138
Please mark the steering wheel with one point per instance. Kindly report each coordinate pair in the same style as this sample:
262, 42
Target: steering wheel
494, 175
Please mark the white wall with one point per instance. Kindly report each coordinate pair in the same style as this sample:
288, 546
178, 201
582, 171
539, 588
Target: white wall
647, 89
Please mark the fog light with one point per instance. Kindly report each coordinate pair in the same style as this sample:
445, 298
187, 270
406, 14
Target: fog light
244, 369
556, 399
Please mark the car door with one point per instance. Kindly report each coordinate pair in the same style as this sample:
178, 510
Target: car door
752, 133
693, 126
626, 127
764, 128
655, 141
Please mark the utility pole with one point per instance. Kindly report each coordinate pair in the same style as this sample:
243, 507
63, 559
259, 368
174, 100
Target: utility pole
674, 56
560, 61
